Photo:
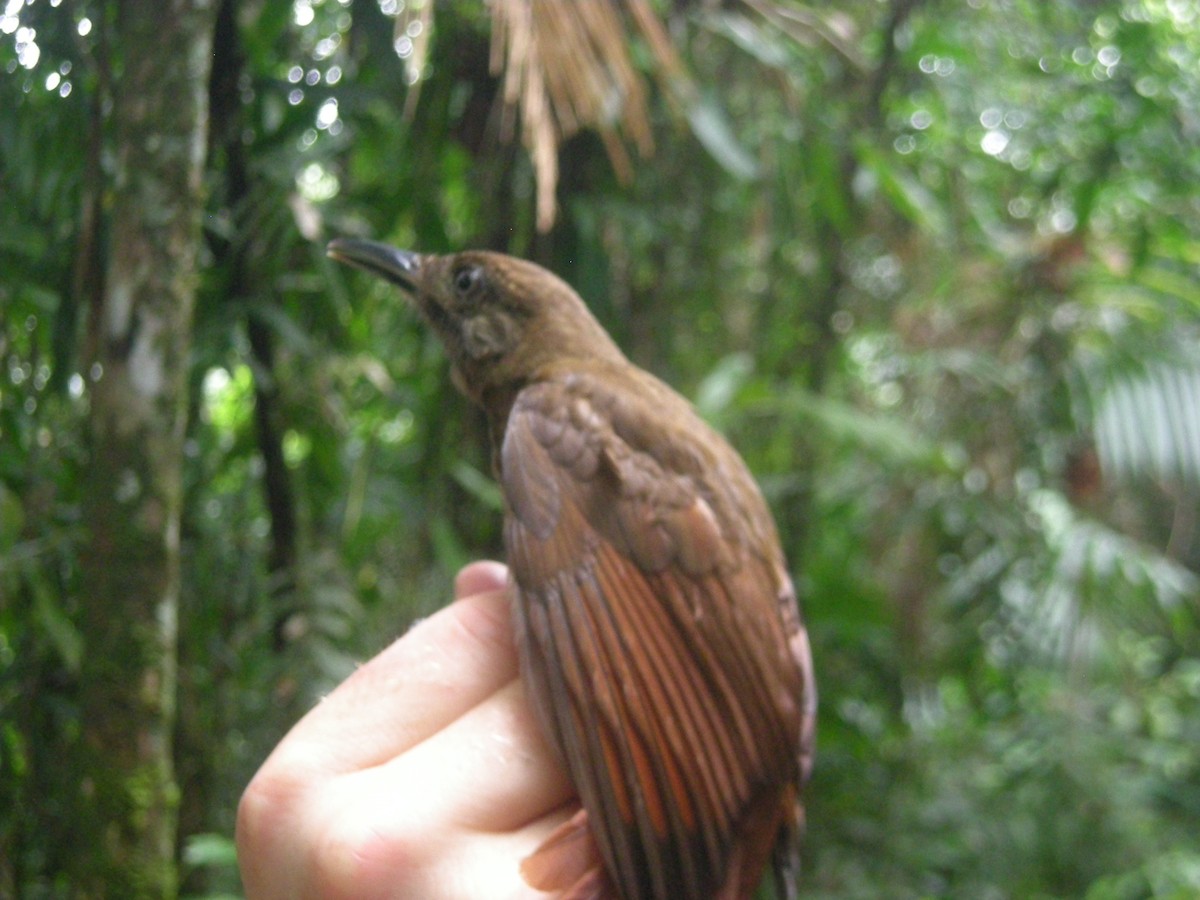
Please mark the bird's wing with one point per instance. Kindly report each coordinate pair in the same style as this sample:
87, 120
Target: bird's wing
654, 646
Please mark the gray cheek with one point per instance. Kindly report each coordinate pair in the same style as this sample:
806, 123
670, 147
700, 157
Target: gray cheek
486, 335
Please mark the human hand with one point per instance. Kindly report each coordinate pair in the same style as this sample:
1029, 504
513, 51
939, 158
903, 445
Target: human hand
424, 774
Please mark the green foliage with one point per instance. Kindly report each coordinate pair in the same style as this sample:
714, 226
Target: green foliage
217, 854
931, 266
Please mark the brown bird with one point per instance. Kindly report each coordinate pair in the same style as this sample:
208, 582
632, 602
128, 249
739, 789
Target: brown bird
660, 638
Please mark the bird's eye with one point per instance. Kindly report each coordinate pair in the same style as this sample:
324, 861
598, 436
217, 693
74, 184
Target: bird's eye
465, 280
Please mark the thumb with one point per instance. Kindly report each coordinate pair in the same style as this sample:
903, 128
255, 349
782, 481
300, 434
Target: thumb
480, 577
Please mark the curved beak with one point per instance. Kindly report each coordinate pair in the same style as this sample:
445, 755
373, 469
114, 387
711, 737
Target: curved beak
401, 267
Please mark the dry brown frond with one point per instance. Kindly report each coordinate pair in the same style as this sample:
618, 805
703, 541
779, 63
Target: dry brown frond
565, 66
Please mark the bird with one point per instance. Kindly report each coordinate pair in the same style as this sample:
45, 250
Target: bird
660, 639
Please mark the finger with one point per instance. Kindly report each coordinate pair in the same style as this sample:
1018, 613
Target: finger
489, 866
453, 817
366, 857
490, 770
479, 577
441, 668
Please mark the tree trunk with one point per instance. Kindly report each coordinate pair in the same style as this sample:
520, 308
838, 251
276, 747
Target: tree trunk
130, 567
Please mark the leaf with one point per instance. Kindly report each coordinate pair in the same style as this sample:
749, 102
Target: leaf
750, 38
1170, 283
478, 485
714, 132
886, 437
1091, 566
908, 196
63, 634
289, 333
210, 850
12, 518
826, 182
1150, 425
716, 392
448, 549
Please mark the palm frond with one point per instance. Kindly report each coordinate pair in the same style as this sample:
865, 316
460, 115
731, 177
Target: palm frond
1068, 606
1149, 425
566, 67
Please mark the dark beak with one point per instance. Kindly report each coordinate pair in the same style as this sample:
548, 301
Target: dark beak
400, 267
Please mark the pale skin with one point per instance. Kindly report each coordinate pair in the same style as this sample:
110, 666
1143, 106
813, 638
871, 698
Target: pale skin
423, 774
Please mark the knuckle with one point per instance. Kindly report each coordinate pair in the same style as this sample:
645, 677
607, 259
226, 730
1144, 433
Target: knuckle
360, 857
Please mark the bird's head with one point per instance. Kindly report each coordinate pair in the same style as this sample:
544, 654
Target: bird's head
503, 320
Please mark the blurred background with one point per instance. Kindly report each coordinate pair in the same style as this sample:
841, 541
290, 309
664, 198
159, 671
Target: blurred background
931, 265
